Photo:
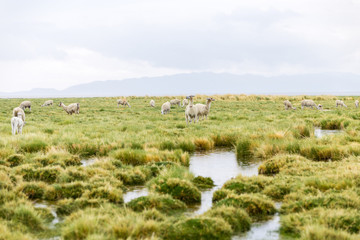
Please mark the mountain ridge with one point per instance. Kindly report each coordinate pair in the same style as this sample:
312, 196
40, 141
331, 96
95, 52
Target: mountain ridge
206, 83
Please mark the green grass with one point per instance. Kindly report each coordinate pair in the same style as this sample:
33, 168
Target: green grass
316, 179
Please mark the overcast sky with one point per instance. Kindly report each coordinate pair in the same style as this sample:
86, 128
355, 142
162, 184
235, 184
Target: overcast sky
56, 44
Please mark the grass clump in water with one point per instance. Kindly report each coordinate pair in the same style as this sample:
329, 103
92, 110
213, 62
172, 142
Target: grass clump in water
203, 144
130, 156
333, 124
180, 189
228, 140
221, 194
276, 163
131, 177
257, 206
33, 190
203, 182
187, 146
162, 203
238, 219
243, 149
323, 153
199, 228
109, 193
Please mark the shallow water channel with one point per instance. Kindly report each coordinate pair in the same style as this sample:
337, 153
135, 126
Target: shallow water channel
52, 208
221, 166
135, 192
319, 133
88, 162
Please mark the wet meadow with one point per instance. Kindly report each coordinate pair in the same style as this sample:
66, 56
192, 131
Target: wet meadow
132, 173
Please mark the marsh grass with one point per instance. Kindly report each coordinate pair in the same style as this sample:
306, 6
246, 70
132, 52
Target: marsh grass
139, 146
33, 145
238, 219
199, 228
15, 160
203, 182
243, 149
257, 206
162, 203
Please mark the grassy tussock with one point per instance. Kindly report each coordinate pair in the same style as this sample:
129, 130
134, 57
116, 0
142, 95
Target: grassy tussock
337, 219
8, 234
257, 206
179, 189
15, 160
33, 190
137, 157
238, 219
275, 164
199, 228
23, 214
177, 182
162, 203
203, 182
203, 144
318, 233
241, 184
112, 223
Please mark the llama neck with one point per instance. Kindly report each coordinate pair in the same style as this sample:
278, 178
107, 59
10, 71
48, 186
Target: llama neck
191, 103
208, 104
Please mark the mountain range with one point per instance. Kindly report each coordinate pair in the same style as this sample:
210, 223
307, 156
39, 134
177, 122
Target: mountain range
206, 83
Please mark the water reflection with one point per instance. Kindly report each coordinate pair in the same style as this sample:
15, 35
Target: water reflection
319, 133
265, 230
220, 166
88, 162
135, 192
52, 209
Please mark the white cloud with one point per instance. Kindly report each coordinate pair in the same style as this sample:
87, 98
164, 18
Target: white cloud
77, 66
61, 43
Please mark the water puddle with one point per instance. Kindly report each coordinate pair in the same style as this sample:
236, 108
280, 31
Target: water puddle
52, 209
220, 166
319, 133
265, 230
88, 162
135, 192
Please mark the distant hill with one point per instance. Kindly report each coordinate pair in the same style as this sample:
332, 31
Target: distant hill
208, 83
